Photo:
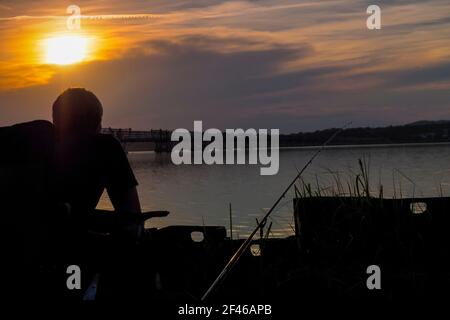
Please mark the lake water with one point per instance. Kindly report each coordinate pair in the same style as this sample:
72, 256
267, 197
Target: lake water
201, 194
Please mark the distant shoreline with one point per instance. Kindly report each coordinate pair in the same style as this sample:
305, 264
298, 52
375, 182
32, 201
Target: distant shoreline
422, 133
343, 146
371, 145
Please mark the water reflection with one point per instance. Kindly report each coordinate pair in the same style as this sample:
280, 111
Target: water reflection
200, 194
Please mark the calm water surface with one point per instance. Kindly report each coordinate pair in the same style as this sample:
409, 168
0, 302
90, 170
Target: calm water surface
200, 194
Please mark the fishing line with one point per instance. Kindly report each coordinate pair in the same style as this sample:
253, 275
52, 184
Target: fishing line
245, 245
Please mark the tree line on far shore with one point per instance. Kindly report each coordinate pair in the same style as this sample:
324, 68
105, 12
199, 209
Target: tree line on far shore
417, 132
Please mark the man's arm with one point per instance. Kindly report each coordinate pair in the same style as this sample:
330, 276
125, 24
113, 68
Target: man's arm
126, 201
120, 180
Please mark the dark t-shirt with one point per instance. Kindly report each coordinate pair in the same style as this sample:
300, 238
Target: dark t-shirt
84, 168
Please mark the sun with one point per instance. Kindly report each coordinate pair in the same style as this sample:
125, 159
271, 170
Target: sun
67, 49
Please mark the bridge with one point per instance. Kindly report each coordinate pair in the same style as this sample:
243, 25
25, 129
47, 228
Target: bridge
135, 140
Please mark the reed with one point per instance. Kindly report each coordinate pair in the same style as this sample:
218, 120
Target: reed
357, 184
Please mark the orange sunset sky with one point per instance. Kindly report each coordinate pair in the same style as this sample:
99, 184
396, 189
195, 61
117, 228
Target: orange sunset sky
293, 65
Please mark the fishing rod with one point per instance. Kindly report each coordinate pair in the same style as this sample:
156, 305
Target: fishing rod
244, 246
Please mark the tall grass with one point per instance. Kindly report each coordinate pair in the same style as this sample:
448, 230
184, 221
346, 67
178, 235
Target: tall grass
356, 184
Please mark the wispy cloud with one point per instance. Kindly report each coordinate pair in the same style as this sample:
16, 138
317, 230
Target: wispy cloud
128, 16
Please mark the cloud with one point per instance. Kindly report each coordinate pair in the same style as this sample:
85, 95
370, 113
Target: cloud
294, 65
181, 81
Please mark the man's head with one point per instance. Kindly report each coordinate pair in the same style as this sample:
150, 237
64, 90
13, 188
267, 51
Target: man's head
77, 111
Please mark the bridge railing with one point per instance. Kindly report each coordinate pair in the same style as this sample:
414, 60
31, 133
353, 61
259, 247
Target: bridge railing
128, 135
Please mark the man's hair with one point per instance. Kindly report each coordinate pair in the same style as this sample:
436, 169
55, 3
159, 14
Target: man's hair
77, 111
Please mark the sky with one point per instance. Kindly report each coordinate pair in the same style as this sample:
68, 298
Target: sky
291, 65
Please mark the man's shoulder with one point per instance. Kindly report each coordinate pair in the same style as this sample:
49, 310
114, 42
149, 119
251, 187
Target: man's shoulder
107, 138
119, 174
108, 142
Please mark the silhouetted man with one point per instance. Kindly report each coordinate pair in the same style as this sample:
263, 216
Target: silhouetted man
46, 166
86, 161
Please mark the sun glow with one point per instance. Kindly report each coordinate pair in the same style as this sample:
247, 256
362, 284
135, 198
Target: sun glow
64, 50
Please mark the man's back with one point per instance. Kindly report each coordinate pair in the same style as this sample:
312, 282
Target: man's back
85, 167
